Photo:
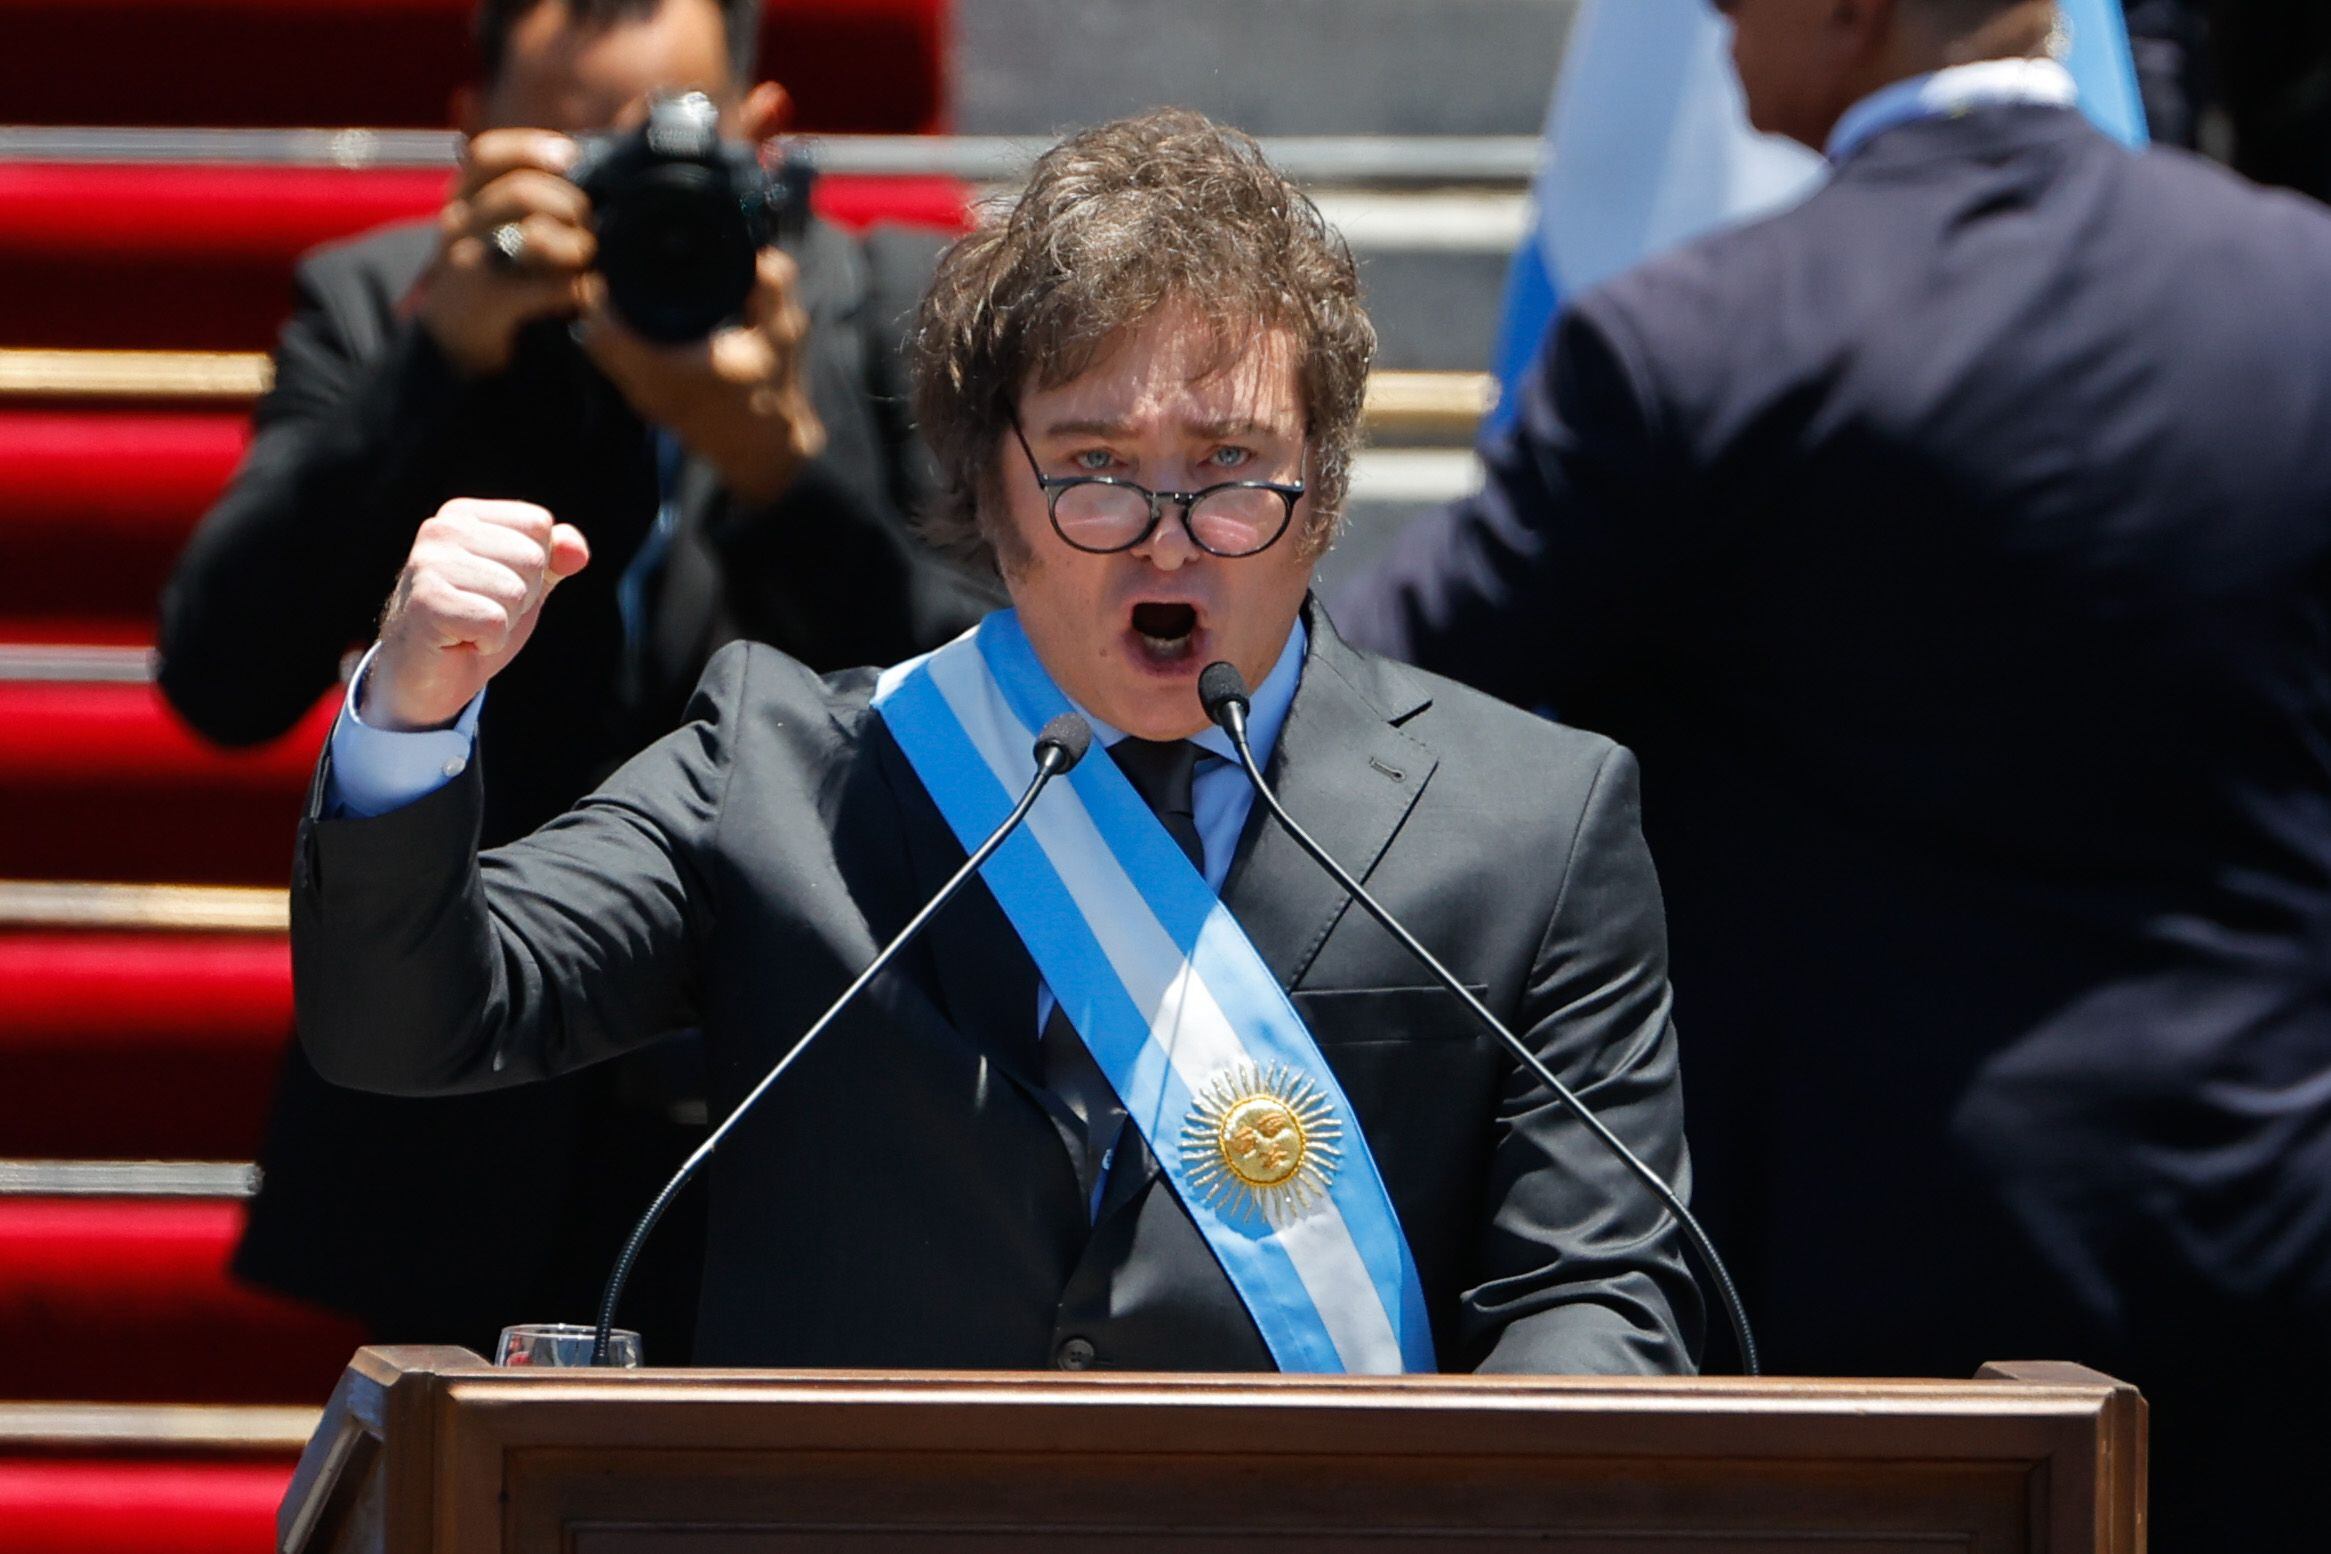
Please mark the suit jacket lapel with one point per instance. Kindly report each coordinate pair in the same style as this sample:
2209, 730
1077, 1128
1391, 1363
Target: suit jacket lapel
983, 975
1349, 775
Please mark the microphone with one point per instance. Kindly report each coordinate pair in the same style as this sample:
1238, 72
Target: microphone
1061, 744
1222, 690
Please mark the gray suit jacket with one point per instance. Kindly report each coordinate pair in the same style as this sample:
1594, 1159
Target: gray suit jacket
904, 1196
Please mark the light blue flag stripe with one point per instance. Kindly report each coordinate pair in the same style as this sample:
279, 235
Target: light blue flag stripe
2105, 68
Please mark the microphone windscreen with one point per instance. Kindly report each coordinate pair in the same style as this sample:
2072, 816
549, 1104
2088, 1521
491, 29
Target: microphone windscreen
1071, 735
1219, 685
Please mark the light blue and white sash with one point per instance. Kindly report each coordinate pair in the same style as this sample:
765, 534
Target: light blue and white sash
1176, 1006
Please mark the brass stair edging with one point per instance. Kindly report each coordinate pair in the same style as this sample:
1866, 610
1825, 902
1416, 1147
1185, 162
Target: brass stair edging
204, 376
149, 1427
74, 904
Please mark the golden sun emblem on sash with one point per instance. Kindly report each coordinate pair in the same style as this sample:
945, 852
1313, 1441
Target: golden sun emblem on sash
1265, 1140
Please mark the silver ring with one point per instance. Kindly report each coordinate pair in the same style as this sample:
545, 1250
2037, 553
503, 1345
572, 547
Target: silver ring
506, 246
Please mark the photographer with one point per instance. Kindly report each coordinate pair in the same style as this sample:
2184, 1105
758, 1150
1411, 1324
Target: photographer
751, 481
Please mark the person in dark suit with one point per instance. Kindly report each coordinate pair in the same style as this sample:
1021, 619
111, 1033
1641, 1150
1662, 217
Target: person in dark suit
951, 1176
752, 485
1952, 549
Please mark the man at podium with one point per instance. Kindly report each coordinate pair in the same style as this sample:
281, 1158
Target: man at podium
1151, 1093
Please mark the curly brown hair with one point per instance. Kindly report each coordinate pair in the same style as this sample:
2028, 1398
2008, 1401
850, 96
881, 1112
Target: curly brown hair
1117, 222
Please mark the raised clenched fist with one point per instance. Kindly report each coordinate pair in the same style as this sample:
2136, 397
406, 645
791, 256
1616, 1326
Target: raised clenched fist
472, 588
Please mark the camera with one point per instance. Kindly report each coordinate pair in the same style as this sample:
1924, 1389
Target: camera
681, 215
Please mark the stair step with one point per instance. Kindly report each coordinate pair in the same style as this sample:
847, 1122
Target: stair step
81, 248
140, 1046
154, 1478
133, 1506
95, 506
114, 787
142, 993
130, 1299
864, 65
199, 257
44, 629
116, 735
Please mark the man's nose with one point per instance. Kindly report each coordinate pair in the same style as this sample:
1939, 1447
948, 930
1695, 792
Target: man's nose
1169, 544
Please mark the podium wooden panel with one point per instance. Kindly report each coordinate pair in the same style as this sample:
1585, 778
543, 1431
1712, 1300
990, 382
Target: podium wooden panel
430, 1449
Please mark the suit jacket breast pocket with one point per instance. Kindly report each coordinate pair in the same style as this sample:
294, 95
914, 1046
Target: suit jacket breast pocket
1344, 1017
1422, 1078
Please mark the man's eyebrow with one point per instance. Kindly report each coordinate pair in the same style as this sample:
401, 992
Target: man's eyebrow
1101, 426
1235, 426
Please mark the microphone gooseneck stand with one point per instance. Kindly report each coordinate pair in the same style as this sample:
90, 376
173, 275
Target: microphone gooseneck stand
1059, 747
1223, 691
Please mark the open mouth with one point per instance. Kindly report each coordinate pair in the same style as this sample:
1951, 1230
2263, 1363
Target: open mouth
1168, 633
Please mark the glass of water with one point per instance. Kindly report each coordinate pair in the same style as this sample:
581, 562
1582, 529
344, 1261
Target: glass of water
564, 1343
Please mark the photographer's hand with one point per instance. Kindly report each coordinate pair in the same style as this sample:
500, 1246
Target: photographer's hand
736, 399
464, 605
476, 296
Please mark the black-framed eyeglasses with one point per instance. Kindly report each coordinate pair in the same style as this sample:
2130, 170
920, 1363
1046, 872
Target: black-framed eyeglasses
1103, 515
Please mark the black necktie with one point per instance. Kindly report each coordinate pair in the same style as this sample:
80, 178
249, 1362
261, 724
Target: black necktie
1162, 773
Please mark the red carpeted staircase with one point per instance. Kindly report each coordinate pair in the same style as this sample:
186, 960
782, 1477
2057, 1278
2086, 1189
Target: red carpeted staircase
147, 1401
865, 66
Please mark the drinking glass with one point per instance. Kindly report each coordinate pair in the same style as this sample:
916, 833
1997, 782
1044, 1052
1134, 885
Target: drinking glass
564, 1343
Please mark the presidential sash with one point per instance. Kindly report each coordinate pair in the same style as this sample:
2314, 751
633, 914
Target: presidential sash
1207, 1054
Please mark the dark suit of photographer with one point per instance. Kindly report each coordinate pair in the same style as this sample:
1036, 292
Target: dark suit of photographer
477, 355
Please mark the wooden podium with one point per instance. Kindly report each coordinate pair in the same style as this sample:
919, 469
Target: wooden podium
431, 1449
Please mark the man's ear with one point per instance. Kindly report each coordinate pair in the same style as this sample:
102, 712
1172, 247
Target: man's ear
767, 111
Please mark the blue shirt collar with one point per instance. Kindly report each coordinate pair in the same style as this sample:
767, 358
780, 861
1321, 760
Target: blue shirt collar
1945, 93
1266, 709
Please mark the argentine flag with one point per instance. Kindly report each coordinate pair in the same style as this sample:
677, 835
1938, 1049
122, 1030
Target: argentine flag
1648, 146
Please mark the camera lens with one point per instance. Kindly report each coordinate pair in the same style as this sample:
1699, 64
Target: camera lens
677, 252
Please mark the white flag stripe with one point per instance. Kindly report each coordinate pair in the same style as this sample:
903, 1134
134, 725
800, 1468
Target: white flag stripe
1319, 1243
1648, 142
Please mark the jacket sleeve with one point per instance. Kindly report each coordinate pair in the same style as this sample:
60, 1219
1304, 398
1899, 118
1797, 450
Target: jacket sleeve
1561, 577
1582, 1269
290, 568
420, 967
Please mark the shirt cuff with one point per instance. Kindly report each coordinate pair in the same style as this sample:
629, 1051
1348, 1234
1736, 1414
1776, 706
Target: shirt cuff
375, 770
